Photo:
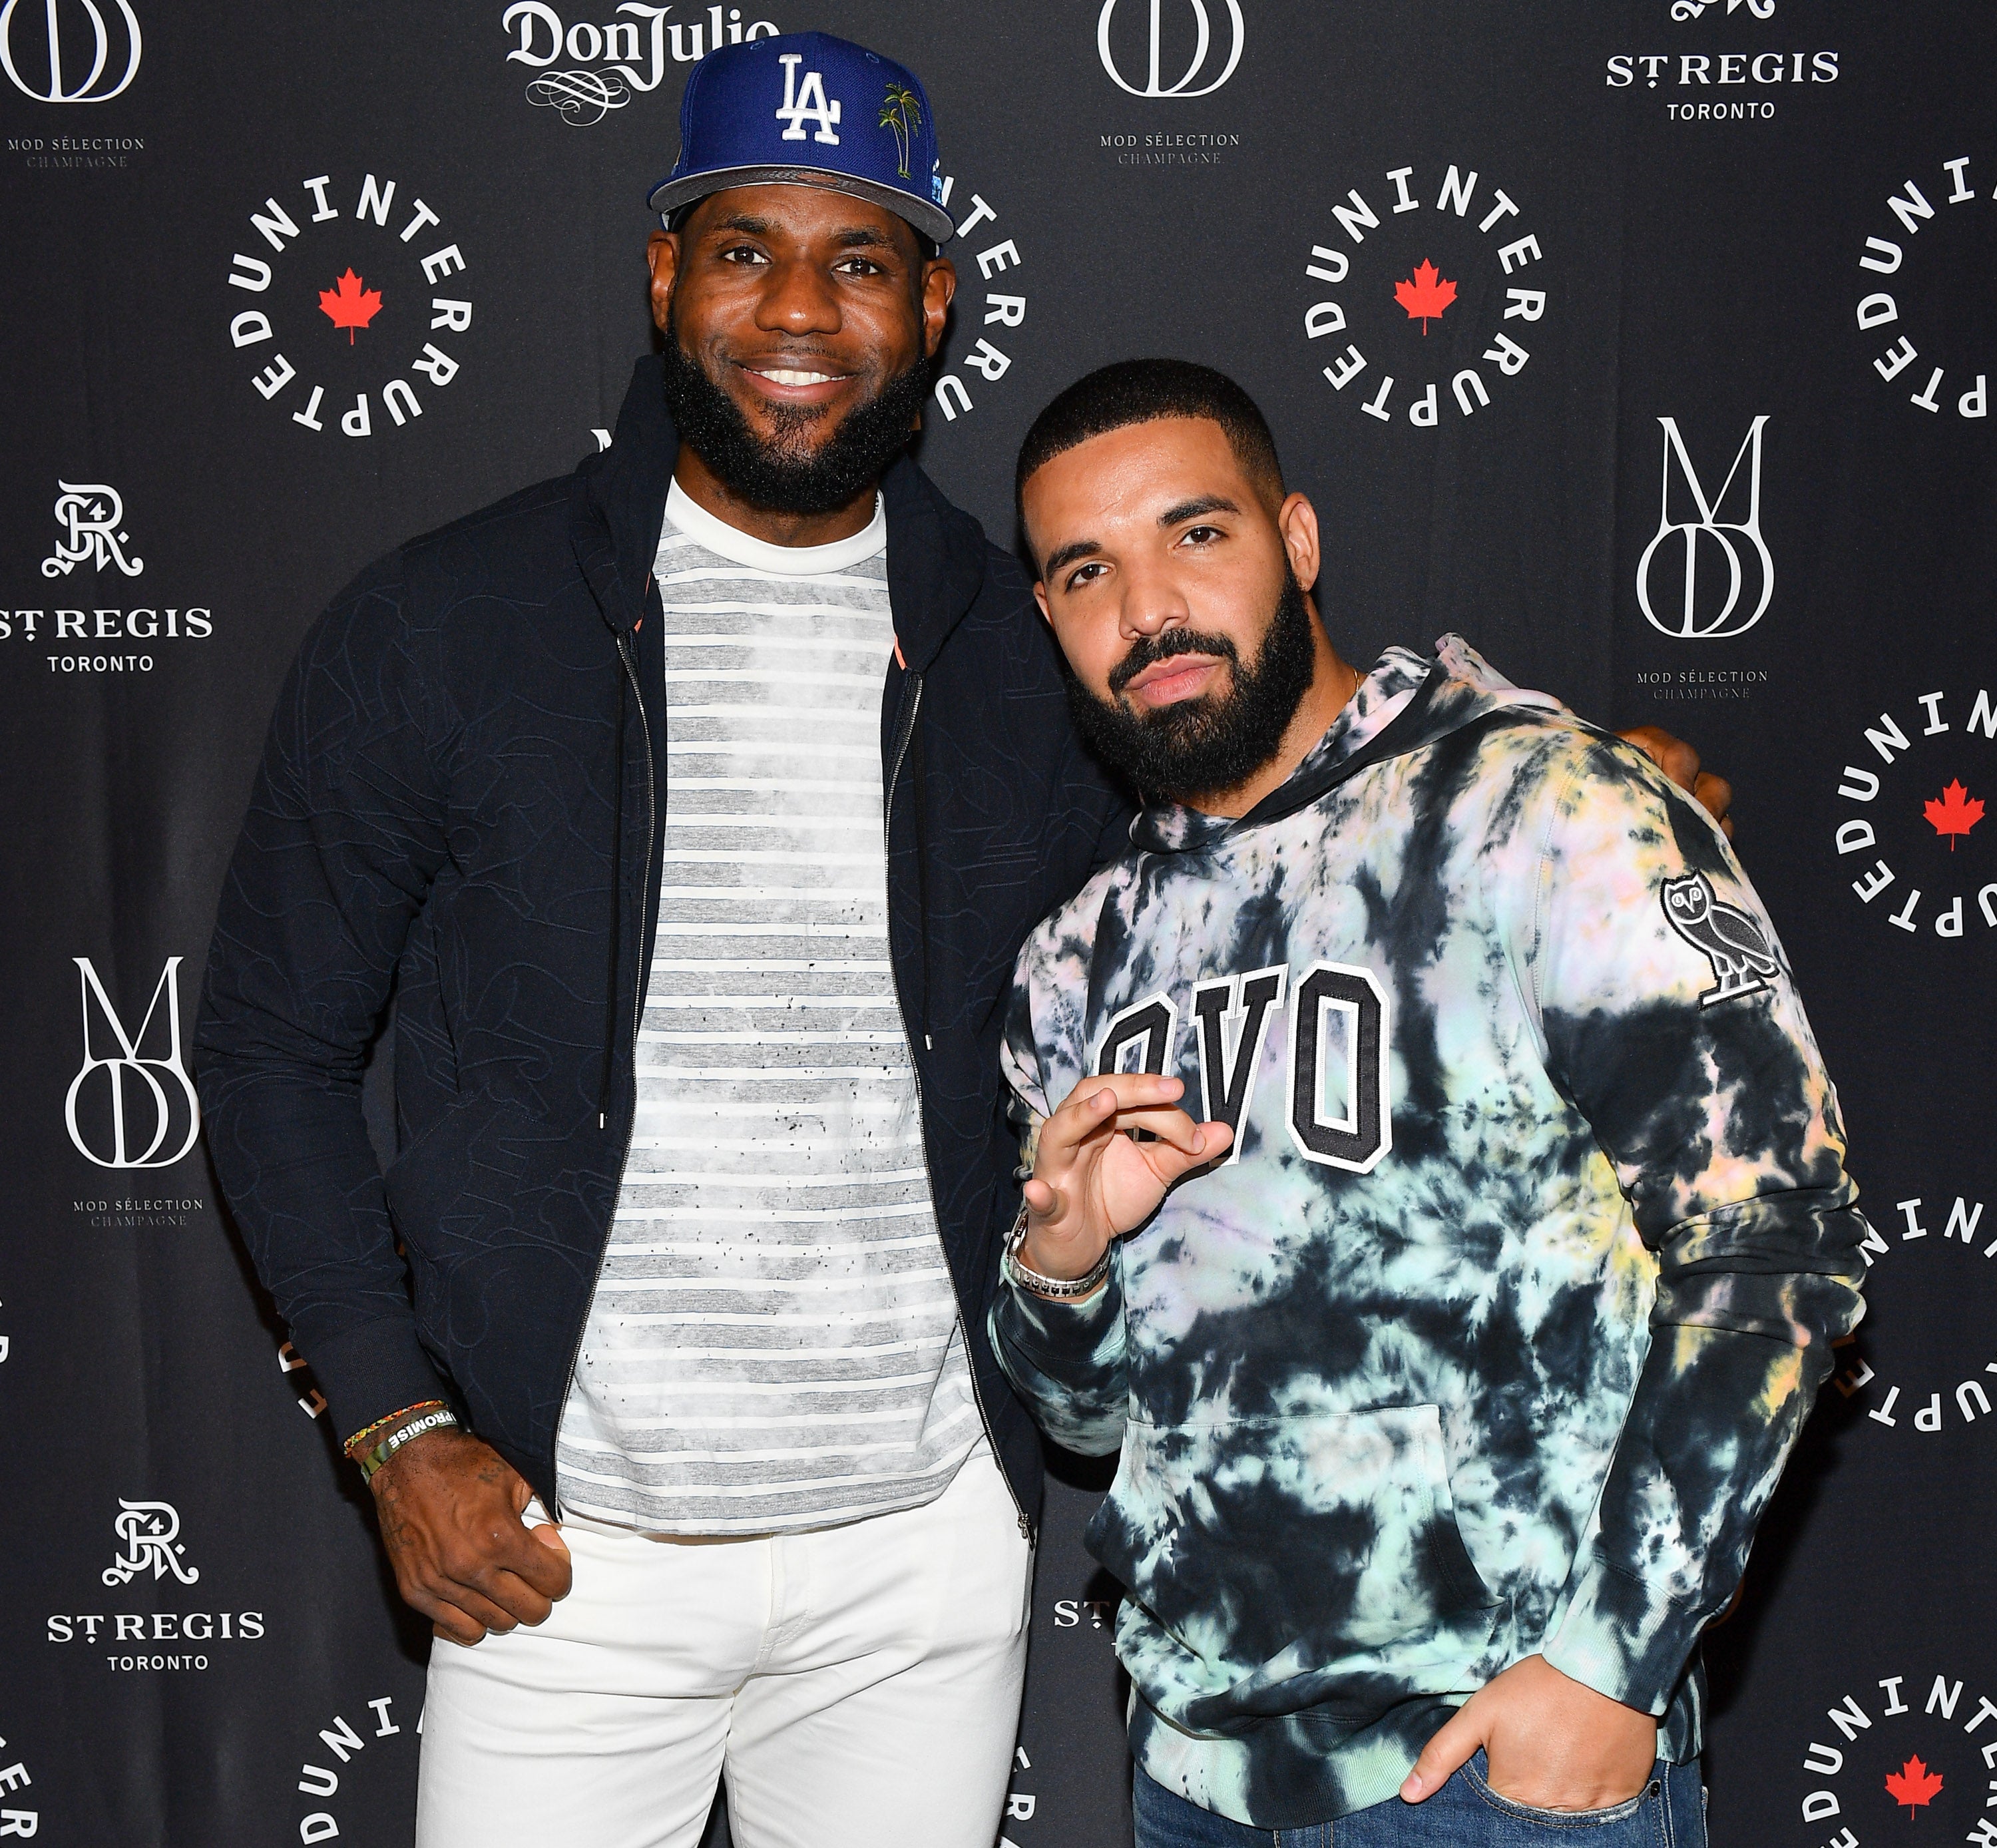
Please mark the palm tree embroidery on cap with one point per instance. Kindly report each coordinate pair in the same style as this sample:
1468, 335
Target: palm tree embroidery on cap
902, 115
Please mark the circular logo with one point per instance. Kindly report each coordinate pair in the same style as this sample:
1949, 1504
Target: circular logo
357, 1778
1421, 320
1923, 335
1203, 45
359, 306
1934, 1370
1909, 1751
20, 1804
1911, 845
986, 339
69, 50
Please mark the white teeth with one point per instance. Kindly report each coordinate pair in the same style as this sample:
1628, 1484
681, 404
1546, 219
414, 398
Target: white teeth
795, 378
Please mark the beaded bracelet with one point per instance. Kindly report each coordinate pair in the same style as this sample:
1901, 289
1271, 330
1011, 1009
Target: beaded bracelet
443, 1418
354, 1443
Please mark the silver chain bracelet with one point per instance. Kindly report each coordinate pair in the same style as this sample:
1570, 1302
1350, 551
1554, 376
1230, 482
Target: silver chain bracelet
1055, 1289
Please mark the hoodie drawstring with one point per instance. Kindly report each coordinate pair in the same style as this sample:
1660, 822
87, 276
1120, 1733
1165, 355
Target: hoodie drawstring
616, 900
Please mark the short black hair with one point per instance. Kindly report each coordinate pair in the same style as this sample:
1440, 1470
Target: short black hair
1111, 397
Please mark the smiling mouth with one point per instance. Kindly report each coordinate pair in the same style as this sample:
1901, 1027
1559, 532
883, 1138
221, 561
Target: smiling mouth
794, 378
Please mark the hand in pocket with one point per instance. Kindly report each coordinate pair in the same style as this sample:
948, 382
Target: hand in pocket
1550, 1742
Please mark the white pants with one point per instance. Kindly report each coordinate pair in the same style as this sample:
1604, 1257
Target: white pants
860, 1684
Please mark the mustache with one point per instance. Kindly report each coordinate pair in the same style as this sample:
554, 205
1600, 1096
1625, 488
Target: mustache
1147, 650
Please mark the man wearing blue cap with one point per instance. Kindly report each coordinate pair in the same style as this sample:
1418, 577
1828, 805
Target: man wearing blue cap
693, 808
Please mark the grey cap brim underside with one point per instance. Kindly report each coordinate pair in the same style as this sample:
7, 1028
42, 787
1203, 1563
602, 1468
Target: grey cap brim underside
930, 220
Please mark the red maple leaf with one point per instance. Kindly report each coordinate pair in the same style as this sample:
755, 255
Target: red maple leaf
1956, 813
1913, 1785
350, 305
1426, 293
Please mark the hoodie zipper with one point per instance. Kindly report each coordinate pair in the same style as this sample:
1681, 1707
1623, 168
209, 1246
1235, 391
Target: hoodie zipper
912, 701
640, 980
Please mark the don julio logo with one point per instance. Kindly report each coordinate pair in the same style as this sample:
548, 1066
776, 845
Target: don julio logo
70, 51
1203, 55
1734, 591
610, 62
363, 311
125, 1106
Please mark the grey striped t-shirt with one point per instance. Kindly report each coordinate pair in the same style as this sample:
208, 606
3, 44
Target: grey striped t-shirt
773, 1340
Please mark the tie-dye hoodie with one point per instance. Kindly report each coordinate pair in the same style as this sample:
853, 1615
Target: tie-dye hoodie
1492, 1332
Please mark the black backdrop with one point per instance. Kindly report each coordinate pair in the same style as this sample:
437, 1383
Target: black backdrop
1711, 370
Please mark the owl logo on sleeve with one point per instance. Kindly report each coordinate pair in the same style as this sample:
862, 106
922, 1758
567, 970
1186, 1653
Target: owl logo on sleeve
1730, 939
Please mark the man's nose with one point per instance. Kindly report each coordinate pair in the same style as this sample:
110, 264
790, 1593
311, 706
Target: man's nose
1152, 603
797, 299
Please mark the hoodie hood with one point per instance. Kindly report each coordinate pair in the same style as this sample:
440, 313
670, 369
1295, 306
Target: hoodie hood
1407, 701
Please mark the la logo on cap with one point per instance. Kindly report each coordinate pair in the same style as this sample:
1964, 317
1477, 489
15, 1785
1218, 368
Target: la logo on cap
809, 103
844, 118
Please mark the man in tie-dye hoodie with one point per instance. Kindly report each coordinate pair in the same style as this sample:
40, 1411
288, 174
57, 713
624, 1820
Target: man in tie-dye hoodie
1453, 1358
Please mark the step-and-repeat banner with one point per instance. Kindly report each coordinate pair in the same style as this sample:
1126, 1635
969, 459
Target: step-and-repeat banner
1649, 343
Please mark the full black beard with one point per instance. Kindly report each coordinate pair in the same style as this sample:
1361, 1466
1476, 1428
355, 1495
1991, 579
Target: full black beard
1204, 746
786, 475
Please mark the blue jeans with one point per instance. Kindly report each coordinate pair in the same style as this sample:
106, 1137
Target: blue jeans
1669, 1813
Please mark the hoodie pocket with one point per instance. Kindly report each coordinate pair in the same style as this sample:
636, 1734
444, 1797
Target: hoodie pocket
1284, 1563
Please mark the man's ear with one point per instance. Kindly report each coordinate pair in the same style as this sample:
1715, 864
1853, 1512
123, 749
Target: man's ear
1040, 597
1297, 521
662, 257
938, 288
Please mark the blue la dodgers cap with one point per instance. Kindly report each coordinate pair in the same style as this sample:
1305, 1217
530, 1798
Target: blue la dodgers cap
806, 108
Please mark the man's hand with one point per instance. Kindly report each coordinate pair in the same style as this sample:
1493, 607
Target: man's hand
1091, 1181
450, 1508
1551, 1743
1680, 762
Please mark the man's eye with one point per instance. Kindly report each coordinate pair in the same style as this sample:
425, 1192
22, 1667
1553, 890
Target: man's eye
858, 266
743, 254
1203, 534
1083, 574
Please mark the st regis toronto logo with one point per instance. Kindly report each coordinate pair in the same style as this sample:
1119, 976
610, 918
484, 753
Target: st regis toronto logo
92, 516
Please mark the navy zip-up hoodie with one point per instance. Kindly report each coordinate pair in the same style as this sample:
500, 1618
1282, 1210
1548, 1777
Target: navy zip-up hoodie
459, 805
